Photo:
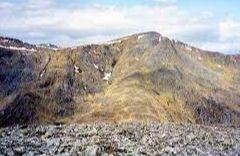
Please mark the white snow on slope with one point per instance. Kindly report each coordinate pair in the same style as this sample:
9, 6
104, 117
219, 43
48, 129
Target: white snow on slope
5, 41
200, 58
95, 66
160, 39
43, 72
18, 48
140, 37
188, 48
112, 42
115, 41
48, 46
107, 76
76, 69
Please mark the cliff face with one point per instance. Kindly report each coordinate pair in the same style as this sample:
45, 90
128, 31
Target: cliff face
143, 77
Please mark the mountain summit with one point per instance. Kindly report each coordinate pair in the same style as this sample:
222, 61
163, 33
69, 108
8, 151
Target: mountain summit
142, 77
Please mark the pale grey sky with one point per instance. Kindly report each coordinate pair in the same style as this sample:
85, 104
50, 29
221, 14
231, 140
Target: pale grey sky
211, 25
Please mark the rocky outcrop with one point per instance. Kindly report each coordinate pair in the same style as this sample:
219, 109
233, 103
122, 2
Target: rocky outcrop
48, 46
21, 111
16, 70
120, 139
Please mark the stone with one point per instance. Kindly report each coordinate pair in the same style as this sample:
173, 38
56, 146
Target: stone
93, 151
120, 139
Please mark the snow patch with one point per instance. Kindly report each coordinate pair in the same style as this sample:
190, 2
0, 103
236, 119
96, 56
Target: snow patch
219, 66
42, 73
107, 76
48, 46
140, 37
188, 48
18, 48
95, 66
76, 69
125, 38
160, 39
115, 41
5, 41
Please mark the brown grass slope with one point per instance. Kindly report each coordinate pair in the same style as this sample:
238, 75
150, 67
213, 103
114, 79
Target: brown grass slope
151, 78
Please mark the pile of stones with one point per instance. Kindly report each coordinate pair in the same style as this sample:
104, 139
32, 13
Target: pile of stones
119, 139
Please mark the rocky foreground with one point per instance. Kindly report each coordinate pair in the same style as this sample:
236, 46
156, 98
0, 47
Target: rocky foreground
120, 139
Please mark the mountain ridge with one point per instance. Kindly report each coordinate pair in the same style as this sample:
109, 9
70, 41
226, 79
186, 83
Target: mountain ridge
141, 77
113, 41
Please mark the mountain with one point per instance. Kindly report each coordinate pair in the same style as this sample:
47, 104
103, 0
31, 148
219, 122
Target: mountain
142, 77
15, 44
48, 46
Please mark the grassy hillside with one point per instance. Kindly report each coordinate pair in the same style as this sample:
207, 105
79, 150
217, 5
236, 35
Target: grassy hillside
143, 77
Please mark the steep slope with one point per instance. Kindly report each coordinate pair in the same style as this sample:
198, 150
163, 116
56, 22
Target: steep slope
143, 77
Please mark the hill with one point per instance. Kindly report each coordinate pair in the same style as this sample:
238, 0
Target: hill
142, 77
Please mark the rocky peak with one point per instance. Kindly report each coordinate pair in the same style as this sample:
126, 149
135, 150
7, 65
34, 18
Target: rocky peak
48, 46
149, 34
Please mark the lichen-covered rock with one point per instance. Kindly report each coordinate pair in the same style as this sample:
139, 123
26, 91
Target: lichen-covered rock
120, 139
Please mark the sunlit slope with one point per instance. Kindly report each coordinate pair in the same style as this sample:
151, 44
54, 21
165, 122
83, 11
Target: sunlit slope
163, 80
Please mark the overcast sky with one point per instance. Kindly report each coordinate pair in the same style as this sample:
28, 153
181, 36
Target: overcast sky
208, 24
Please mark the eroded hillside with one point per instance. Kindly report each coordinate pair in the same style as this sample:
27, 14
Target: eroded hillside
143, 77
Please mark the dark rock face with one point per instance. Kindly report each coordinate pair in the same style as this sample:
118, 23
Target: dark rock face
143, 77
120, 139
212, 112
48, 46
15, 71
21, 111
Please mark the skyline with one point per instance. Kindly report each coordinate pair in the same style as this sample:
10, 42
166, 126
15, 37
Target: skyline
209, 25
